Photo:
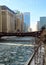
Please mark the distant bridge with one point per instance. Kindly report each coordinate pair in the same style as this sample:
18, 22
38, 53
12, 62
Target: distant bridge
23, 34
33, 34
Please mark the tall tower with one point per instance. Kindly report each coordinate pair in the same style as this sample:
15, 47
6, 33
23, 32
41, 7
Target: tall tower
27, 19
42, 22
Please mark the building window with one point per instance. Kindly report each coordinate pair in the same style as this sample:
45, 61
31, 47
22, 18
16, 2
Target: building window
3, 13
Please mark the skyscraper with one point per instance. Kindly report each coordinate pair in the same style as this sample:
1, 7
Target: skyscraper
42, 22
27, 19
19, 22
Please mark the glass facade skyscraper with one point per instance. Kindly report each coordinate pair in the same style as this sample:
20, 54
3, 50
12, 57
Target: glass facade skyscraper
26, 20
42, 22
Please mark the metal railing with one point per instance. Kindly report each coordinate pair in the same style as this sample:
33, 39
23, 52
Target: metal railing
37, 57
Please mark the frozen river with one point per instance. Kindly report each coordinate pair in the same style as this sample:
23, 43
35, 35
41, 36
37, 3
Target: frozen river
15, 53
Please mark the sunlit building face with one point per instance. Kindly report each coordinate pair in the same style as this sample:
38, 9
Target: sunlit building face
42, 21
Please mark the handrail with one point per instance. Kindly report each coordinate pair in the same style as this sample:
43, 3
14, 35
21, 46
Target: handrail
33, 55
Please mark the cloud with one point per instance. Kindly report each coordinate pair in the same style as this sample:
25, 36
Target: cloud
4, 0
7, 0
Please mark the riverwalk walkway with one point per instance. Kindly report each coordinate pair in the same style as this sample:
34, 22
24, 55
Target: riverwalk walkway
45, 54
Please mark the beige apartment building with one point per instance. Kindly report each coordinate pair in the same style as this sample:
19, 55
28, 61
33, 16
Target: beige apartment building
19, 22
7, 19
10, 21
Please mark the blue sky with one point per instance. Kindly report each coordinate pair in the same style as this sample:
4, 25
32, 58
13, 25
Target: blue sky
37, 8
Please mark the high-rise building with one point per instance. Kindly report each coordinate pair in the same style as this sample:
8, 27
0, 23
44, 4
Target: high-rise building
27, 20
38, 25
19, 22
7, 19
42, 22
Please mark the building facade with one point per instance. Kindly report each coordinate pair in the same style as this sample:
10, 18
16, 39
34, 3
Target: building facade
7, 19
19, 22
42, 22
38, 26
26, 20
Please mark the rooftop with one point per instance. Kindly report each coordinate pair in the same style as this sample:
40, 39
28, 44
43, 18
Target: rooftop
6, 8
